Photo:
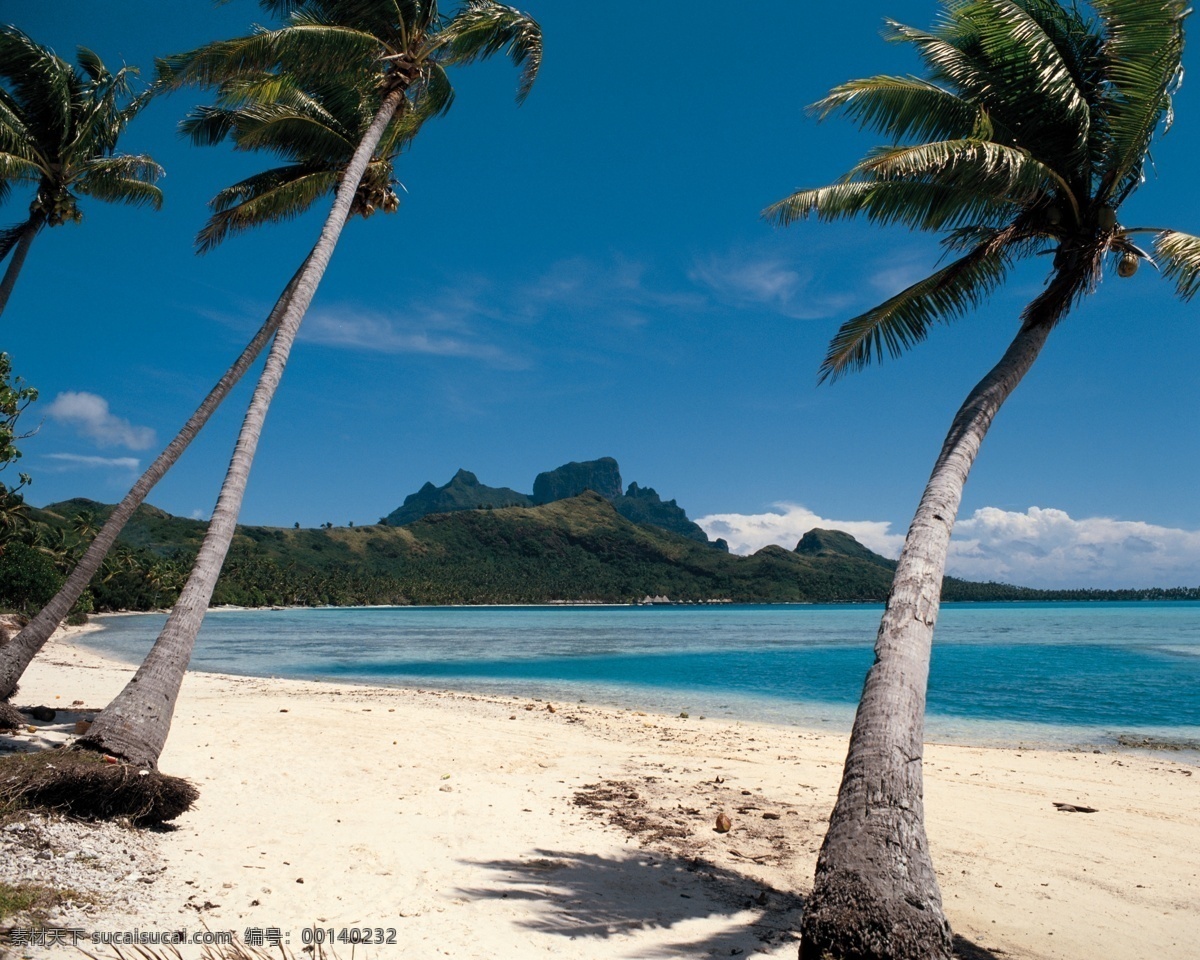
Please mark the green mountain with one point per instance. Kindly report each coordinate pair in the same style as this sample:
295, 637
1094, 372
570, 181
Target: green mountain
463, 492
835, 543
638, 504
644, 505
578, 549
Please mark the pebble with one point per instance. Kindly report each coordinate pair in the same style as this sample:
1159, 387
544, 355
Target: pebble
90, 858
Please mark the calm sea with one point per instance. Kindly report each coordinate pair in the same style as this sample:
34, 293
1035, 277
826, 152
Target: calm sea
1054, 673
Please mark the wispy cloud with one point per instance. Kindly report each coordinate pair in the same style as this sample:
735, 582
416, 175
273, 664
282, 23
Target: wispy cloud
618, 291
88, 415
1040, 547
430, 333
75, 461
746, 280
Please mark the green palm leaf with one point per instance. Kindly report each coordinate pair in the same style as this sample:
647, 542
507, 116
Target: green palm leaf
306, 49
1179, 256
272, 196
905, 319
1142, 54
124, 179
900, 107
920, 205
1009, 173
483, 28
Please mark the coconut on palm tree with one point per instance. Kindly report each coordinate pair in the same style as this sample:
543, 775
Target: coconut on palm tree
315, 131
403, 48
59, 129
1030, 129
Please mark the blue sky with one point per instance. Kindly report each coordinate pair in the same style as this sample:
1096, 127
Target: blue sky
588, 275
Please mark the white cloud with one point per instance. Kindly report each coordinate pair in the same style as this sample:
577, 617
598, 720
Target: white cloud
747, 533
742, 280
1046, 547
1038, 548
88, 415
355, 329
75, 461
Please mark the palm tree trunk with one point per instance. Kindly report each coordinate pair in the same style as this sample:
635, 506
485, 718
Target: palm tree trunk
875, 896
135, 725
16, 655
20, 252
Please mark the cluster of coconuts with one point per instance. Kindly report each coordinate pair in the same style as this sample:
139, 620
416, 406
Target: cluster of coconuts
385, 200
57, 210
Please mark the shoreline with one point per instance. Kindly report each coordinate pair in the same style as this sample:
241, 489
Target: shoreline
1182, 741
492, 826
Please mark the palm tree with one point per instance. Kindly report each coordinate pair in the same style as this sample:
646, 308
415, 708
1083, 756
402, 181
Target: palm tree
315, 131
15, 396
59, 129
1031, 128
404, 46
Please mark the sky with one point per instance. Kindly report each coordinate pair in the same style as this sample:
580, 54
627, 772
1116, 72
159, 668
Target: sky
589, 275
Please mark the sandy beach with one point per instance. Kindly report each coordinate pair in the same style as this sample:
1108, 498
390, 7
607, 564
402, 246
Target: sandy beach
490, 827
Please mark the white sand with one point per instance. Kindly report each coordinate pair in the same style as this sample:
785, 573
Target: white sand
452, 819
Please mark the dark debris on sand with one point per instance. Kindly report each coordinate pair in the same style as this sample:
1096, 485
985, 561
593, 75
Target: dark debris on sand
88, 785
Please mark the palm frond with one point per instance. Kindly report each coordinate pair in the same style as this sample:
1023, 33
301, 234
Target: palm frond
272, 196
1009, 173
15, 137
1142, 67
920, 205
1034, 71
483, 28
92, 65
317, 50
42, 84
124, 179
18, 168
901, 107
1179, 258
433, 95
979, 52
905, 319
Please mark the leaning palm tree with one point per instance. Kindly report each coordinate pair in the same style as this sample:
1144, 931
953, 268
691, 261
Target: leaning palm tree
405, 47
59, 128
315, 132
1031, 128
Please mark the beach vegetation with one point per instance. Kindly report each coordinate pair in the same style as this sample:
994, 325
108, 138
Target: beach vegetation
396, 56
1028, 132
59, 130
33, 901
15, 396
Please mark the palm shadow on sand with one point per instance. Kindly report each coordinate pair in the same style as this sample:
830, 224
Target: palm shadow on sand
588, 895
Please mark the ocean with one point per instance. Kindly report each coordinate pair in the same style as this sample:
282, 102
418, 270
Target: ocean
1038, 674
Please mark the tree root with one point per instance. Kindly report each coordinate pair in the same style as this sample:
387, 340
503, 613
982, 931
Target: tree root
84, 784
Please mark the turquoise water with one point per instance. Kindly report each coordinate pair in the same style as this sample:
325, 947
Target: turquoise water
1035, 673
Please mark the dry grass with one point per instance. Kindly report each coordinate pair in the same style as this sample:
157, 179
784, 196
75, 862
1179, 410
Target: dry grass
233, 951
84, 784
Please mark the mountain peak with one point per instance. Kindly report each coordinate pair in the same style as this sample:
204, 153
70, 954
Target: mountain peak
836, 543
